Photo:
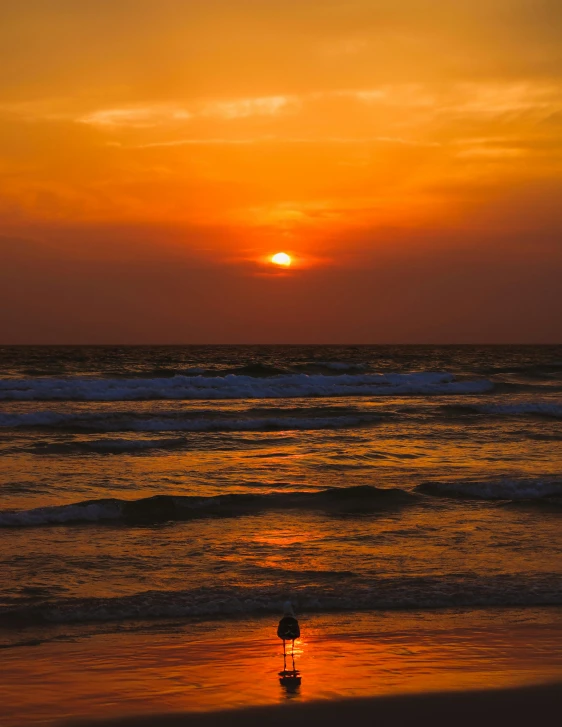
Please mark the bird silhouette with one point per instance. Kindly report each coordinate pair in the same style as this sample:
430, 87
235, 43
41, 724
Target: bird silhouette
288, 630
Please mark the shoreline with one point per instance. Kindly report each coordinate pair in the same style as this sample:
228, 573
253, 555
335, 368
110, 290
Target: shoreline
489, 708
178, 668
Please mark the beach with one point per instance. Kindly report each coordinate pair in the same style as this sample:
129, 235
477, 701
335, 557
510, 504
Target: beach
280, 363
161, 504
165, 668
516, 707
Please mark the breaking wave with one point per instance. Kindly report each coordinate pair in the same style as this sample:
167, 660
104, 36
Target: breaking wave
236, 387
544, 489
120, 423
109, 446
548, 409
360, 594
163, 508
538, 408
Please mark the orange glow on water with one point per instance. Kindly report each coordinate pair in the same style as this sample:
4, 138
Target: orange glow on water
186, 667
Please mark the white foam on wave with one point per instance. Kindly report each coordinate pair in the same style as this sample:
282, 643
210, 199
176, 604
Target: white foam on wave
499, 489
237, 387
59, 514
379, 594
180, 507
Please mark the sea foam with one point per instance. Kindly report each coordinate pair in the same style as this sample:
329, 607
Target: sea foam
236, 387
209, 601
162, 508
496, 489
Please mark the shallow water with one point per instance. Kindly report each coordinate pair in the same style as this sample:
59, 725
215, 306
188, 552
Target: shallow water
168, 666
343, 478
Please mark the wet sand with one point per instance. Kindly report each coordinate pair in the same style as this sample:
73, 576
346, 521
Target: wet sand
167, 668
513, 707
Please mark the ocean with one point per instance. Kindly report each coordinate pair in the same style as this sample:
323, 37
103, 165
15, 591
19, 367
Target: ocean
215, 482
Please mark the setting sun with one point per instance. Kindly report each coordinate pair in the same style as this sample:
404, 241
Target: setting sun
281, 350
281, 258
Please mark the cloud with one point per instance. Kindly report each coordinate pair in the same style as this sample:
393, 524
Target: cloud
161, 115
245, 107
483, 98
141, 118
491, 153
388, 109
288, 140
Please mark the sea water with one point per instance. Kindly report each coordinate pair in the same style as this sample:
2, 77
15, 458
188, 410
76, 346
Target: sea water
218, 482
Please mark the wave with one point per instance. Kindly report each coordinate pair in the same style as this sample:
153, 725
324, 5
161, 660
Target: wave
163, 508
537, 408
535, 369
256, 370
547, 409
108, 446
116, 422
236, 387
341, 366
373, 594
517, 490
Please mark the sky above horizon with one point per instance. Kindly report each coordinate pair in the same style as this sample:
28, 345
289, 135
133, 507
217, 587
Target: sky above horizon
154, 155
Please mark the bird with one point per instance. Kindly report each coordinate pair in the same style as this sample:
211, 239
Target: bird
288, 630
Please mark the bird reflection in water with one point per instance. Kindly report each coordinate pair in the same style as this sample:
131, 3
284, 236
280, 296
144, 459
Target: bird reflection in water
289, 630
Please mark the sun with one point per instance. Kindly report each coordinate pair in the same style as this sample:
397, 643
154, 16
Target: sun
281, 258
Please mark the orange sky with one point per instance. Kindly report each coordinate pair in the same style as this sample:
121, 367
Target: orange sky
154, 153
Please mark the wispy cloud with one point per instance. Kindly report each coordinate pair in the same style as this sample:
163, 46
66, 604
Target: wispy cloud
245, 107
192, 142
317, 140
493, 99
150, 116
470, 99
491, 153
136, 117
483, 100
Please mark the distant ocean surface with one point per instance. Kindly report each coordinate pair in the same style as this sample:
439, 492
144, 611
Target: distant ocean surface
147, 482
